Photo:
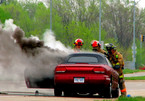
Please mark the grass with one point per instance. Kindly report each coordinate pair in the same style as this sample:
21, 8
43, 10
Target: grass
127, 71
135, 78
125, 99
131, 99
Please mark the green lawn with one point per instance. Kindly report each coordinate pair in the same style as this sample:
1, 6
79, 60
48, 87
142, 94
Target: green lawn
126, 99
131, 99
127, 71
135, 78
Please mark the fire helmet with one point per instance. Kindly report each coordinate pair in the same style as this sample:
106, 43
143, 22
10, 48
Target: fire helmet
110, 46
78, 42
95, 43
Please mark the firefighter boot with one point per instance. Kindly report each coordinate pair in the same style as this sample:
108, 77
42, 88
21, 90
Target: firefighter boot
123, 90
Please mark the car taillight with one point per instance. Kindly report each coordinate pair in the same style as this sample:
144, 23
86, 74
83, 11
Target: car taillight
60, 70
99, 70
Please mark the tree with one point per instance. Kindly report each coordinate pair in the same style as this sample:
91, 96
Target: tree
4, 15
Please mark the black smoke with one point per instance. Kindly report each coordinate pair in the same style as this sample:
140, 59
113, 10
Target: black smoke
22, 57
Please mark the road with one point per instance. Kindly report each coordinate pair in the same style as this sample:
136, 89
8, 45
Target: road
17, 91
135, 87
135, 74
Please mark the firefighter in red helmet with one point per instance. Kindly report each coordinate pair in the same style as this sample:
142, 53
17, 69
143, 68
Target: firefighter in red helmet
97, 47
78, 44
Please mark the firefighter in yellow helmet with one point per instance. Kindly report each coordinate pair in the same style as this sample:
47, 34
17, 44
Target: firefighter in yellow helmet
78, 44
117, 62
97, 47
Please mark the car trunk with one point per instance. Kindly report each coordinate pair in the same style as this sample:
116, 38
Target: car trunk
81, 74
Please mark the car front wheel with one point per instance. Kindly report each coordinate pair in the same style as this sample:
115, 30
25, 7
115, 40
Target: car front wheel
57, 92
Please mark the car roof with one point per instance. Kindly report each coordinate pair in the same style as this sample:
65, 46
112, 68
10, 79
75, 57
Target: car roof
87, 53
90, 54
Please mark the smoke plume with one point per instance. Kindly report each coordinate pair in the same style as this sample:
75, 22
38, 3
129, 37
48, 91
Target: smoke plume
21, 56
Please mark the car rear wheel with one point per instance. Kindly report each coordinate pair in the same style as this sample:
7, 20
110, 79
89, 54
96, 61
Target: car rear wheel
91, 94
108, 91
69, 93
115, 93
57, 92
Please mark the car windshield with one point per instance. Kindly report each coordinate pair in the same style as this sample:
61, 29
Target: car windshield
86, 59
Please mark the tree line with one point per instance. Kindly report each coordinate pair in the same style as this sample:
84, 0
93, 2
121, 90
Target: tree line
73, 19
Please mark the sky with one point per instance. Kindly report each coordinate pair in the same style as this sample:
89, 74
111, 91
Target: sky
141, 3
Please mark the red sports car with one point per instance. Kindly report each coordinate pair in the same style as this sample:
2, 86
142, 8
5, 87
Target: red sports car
86, 73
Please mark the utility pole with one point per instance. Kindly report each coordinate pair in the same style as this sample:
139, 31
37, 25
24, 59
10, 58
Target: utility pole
51, 15
100, 23
134, 50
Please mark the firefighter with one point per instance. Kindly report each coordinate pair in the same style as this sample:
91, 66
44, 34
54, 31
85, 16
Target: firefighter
117, 62
97, 47
78, 44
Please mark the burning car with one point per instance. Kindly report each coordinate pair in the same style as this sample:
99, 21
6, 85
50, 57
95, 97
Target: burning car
83, 73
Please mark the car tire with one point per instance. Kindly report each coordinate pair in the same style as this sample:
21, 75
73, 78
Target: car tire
115, 93
57, 92
91, 94
108, 91
67, 93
